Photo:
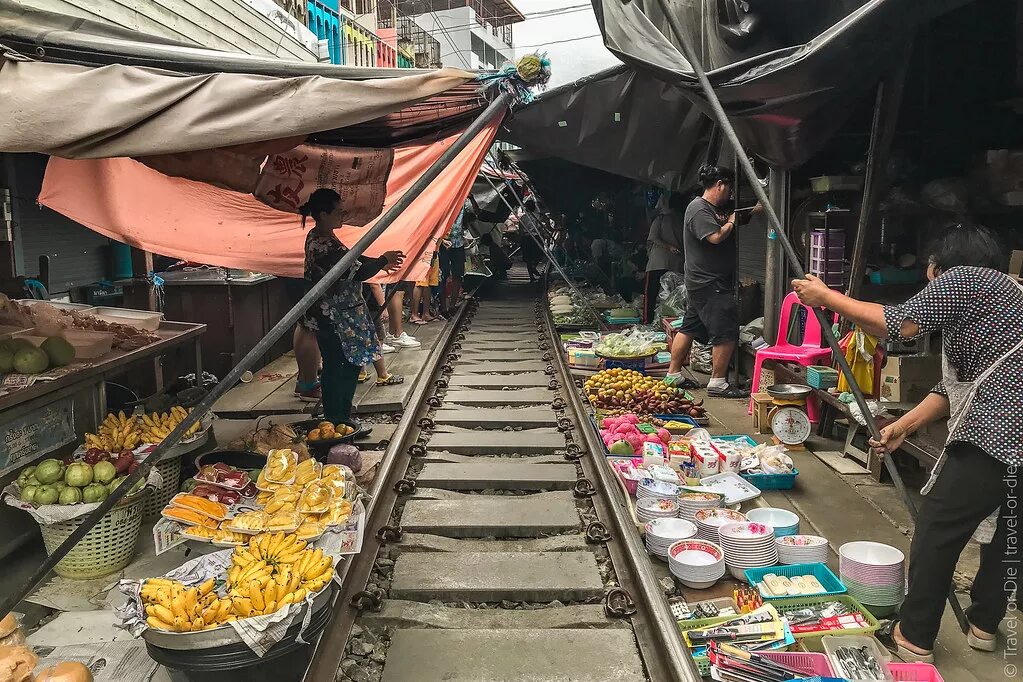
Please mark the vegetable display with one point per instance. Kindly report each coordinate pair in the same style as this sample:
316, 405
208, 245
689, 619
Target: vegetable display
630, 390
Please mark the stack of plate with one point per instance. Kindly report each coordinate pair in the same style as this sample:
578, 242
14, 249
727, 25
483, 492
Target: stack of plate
649, 488
747, 545
802, 549
874, 573
782, 521
691, 502
708, 521
661, 534
696, 563
650, 508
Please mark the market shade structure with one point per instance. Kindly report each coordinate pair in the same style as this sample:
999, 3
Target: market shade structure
787, 73
238, 152
622, 121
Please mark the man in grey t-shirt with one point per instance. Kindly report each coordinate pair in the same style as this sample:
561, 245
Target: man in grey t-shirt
711, 314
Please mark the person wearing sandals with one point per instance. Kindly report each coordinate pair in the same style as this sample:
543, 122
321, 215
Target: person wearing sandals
973, 488
374, 294
344, 331
711, 315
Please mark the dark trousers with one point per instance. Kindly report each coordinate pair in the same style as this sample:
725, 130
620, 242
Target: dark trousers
651, 288
971, 486
340, 378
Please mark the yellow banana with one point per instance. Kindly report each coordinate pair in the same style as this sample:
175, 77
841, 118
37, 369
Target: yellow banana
161, 612
270, 591
243, 607
299, 595
314, 586
223, 609
178, 607
181, 625
289, 598
207, 587
210, 614
256, 596
157, 624
296, 580
316, 569
282, 590
271, 607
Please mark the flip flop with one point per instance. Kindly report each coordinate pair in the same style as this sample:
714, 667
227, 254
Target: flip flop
391, 380
363, 377
886, 635
732, 392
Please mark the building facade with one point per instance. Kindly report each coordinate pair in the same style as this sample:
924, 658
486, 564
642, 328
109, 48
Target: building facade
473, 34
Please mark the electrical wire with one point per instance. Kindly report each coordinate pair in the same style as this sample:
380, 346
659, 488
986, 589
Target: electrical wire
527, 47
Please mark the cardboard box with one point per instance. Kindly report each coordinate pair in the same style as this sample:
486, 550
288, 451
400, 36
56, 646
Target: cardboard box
909, 378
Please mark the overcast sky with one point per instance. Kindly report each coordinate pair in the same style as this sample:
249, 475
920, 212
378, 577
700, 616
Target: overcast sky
569, 60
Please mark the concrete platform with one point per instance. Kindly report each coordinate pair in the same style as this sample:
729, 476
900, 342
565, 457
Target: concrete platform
497, 576
499, 516
526, 442
494, 355
441, 456
462, 367
398, 613
496, 417
422, 542
499, 381
513, 655
515, 474
516, 396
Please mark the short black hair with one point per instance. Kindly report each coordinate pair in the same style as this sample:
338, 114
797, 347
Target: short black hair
973, 245
710, 174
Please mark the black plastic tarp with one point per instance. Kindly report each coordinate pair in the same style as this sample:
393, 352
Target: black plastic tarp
788, 72
621, 121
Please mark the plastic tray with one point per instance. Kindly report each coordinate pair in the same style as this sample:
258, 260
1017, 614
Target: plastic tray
773, 481
833, 642
820, 376
685, 419
828, 580
810, 663
59, 305
915, 672
732, 486
805, 637
88, 344
140, 319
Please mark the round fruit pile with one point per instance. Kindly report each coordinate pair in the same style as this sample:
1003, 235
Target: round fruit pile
54, 482
631, 390
328, 431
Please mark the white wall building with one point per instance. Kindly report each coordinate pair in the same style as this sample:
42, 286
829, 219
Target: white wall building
473, 34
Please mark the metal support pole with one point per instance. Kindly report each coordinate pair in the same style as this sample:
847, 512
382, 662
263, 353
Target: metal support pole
774, 266
497, 109
882, 134
797, 268
550, 257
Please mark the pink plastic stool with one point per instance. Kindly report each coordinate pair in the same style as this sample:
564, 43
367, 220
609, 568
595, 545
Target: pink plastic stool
809, 352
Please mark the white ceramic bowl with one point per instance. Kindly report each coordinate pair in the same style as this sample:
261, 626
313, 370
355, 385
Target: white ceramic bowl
871, 553
771, 516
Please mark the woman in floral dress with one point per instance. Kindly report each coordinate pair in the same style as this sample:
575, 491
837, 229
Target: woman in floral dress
344, 330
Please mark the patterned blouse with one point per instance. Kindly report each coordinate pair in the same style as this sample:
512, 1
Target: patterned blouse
343, 307
980, 315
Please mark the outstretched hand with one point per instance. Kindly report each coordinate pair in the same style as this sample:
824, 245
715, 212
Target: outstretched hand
394, 260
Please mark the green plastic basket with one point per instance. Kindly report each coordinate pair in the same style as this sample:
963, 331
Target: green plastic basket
810, 640
702, 662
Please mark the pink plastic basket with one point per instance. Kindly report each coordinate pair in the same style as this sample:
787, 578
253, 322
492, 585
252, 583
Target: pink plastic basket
810, 663
915, 672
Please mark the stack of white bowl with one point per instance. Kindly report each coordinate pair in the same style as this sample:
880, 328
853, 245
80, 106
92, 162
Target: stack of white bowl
875, 574
661, 534
802, 549
691, 502
747, 545
650, 508
649, 488
782, 521
708, 521
696, 563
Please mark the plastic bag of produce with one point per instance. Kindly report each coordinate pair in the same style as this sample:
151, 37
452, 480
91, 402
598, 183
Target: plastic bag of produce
671, 301
700, 358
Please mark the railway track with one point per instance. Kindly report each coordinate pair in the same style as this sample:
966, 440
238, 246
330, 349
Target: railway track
496, 547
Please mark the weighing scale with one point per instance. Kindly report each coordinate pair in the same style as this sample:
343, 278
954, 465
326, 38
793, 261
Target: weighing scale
789, 420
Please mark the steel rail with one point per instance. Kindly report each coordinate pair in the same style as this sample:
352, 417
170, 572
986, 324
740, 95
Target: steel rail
354, 574
658, 625
497, 108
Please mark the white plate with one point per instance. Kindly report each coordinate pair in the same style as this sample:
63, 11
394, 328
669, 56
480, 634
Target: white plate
871, 553
733, 486
745, 531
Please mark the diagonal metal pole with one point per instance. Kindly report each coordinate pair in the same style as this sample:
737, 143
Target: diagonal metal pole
690, 54
553, 261
497, 109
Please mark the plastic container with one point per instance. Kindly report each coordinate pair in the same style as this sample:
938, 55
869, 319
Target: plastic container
106, 549
810, 663
140, 319
915, 672
820, 376
834, 642
809, 638
636, 364
828, 580
88, 344
773, 481
59, 305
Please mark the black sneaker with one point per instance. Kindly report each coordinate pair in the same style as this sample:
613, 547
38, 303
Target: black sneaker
729, 393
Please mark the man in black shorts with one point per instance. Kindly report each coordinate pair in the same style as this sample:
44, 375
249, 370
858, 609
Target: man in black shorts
711, 314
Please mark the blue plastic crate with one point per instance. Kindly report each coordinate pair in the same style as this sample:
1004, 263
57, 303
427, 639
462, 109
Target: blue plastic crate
828, 580
684, 418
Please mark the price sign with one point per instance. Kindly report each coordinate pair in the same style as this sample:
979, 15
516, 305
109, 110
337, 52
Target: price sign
37, 433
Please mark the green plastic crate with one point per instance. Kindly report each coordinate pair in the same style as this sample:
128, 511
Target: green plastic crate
811, 640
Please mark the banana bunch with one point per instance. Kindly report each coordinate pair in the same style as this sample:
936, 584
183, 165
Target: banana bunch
156, 426
117, 432
275, 570
171, 606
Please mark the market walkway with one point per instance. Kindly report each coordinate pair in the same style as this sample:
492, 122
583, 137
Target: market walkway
271, 390
844, 508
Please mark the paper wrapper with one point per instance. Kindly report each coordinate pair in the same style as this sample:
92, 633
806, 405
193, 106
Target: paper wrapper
260, 633
48, 514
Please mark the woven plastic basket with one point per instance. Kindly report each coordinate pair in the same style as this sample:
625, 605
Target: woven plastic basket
170, 470
106, 549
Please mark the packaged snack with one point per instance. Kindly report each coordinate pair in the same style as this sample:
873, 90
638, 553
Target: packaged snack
336, 472
215, 493
307, 472
338, 513
281, 466
310, 530
283, 522
284, 500
199, 533
223, 475
214, 510
189, 517
316, 498
248, 523
229, 538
